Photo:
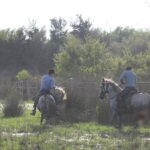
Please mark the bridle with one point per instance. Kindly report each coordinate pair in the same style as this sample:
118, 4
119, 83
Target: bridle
104, 89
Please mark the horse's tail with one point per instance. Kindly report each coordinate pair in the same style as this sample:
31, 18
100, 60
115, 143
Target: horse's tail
149, 103
149, 100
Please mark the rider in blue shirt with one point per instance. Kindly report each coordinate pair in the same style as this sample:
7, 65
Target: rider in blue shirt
129, 79
47, 84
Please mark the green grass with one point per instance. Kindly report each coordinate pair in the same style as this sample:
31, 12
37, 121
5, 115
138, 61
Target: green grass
68, 136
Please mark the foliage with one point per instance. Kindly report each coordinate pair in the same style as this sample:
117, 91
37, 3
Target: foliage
58, 31
12, 106
76, 57
25, 132
81, 27
23, 75
82, 49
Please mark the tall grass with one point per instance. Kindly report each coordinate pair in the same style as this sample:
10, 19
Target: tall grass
68, 136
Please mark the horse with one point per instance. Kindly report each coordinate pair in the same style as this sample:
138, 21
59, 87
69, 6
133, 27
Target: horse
139, 102
48, 104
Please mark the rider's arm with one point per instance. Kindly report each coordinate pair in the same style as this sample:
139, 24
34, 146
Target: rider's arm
52, 85
122, 77
136, 80
122, 81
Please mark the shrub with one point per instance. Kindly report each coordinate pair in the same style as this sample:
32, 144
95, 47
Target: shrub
12, 105
81, 99
23, 75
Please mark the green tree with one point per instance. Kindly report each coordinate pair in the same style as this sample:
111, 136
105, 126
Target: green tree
23, 75
58, 34
81, 27
91, 57
36, 51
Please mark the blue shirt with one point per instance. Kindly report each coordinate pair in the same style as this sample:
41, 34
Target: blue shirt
129, 77
47, 82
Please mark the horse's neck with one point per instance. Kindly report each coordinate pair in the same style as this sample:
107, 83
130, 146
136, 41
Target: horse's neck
114, 91
112, 94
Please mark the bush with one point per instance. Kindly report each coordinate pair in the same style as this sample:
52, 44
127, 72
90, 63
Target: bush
81, 99
23, 75
12, 105
5, 86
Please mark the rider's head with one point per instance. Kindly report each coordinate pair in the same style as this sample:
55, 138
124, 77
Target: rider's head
129, 68
51, 72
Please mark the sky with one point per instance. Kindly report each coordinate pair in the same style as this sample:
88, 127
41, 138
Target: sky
104, 14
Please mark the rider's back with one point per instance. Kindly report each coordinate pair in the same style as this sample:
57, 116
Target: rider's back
129, 78
47, 82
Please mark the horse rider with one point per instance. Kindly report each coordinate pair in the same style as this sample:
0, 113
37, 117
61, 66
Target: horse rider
47, 85
128, 78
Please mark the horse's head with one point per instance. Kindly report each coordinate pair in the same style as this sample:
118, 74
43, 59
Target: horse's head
108, 85
103, 88
60, 94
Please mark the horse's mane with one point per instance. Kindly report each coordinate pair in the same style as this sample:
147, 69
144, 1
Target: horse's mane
113, 83
62, 90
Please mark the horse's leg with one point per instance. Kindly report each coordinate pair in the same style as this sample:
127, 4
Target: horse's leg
48, 110
114, 114
141, 118
41, 118
119, 121
146, 116
136, 119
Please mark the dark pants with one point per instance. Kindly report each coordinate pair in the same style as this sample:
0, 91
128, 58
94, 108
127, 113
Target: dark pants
128, 91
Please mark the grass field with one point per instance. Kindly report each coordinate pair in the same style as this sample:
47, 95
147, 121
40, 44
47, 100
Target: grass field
26, 133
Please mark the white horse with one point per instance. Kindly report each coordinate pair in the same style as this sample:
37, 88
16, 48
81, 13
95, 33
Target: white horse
139, 102
48, 104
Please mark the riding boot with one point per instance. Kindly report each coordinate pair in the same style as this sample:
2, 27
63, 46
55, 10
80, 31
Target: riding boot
34, 108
